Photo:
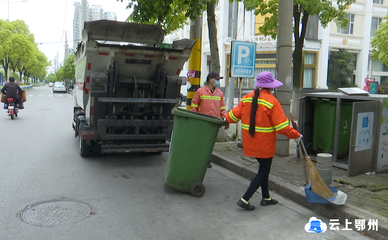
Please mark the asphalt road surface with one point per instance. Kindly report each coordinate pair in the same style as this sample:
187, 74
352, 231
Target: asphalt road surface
49, 192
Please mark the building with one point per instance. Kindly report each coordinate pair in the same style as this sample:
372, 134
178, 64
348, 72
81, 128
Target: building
82, 13
364, 18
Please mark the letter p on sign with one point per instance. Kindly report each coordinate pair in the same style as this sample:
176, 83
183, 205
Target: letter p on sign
243, 52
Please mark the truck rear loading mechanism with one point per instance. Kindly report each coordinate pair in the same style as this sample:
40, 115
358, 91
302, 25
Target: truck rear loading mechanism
127, 83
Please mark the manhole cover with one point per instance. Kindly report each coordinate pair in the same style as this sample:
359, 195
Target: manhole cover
52, 213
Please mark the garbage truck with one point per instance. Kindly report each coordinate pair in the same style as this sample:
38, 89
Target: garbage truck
126, 84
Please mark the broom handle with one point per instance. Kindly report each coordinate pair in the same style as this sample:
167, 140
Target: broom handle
304, 148
300, 151
304, 164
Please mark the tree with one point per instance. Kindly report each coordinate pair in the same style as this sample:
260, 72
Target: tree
68, 67
173, 14
36, 67
15, 39
379, 43
303, 9
169, 14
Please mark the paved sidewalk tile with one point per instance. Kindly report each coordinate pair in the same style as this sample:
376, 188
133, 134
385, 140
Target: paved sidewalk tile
367, 194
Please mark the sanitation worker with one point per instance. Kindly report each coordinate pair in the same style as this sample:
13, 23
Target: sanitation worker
262, 118
209, 99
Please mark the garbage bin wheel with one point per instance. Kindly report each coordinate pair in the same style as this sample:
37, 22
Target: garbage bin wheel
197, 190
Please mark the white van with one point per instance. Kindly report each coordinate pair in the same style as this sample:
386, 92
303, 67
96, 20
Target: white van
183, 96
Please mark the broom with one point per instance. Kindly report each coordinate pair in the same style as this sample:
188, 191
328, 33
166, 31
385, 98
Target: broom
317, 184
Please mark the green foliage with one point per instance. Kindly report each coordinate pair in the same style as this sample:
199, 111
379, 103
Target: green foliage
304, 8
67, 71
383, 89
169, 14
380, 44
19, 51
50, 77
68, 67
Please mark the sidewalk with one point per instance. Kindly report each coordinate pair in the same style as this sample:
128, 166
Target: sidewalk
367, 194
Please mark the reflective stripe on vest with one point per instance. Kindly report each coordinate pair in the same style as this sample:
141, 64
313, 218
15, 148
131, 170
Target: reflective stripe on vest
281, 126
258, 129
266, 129
210, 97
232, 116
259, 101
194, 105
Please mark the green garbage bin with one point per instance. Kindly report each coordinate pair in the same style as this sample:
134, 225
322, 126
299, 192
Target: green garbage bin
192, 141
324, 126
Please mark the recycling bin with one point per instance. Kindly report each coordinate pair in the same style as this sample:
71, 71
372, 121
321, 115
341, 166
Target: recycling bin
192, 141
324, 126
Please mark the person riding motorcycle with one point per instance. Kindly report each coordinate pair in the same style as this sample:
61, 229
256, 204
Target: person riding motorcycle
11, 90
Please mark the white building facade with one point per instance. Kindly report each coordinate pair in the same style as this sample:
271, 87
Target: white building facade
364, 18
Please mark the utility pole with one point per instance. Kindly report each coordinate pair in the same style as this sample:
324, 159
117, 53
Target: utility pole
66, 46
284, 66
195, 59
230, 87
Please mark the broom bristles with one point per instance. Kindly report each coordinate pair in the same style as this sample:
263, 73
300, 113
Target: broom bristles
317, 184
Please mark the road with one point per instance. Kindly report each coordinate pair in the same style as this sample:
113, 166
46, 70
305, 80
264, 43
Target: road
40, 170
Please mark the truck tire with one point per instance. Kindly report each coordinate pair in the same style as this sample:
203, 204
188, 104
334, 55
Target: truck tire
96, 148
180, 100
84, 148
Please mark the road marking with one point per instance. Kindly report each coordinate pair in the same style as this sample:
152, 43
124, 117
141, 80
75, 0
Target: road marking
31, 95
40, 95
51, 95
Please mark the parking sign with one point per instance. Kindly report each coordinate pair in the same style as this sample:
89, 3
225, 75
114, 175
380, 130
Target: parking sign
243, 59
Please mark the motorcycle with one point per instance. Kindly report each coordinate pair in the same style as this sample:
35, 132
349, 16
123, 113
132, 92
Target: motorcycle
12, 108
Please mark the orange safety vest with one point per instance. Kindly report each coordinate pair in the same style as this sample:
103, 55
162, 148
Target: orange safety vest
270, 119
204, 101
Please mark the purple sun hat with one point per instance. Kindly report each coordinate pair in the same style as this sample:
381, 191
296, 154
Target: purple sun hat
266, 80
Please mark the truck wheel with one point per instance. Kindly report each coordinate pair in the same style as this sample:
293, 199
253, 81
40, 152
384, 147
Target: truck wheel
84, 148
180, 100
96, 148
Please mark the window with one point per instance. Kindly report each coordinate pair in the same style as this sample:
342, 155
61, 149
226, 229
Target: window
375, 25
308, 77
309, 70
349, 28
378, 1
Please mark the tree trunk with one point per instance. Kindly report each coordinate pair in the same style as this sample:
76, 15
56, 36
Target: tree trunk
6, 70
211, 22
298, 67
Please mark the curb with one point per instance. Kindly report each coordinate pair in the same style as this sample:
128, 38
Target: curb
297, 194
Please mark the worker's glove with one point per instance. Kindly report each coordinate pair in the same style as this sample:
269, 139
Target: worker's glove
297, 140
226, 124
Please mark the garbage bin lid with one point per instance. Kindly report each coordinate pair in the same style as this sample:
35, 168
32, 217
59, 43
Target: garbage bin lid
200, 116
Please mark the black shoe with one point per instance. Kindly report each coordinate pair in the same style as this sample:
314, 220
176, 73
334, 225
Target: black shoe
268, 202
247, 207
209, 165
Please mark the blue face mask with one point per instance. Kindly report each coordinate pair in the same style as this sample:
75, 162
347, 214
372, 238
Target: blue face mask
217, 83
